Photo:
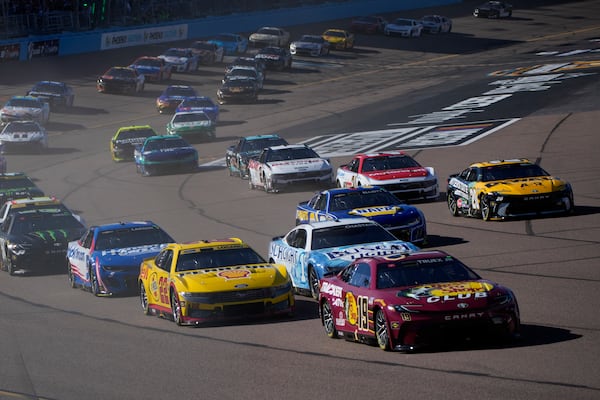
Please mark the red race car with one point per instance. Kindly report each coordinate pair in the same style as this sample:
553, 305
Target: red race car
407, 301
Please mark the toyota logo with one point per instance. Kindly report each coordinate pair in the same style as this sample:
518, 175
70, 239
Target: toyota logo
462, 305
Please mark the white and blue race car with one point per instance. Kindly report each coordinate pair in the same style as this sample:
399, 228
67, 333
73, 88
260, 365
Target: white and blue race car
106, 259
313, 250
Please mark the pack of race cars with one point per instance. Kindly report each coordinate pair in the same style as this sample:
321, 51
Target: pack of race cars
355, 248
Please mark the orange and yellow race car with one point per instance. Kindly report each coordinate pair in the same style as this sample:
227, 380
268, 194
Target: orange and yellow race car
507, 188
213, 280
339, 39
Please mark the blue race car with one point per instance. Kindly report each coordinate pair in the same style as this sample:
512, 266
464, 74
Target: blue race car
232, 43
200, 103
106, 259
172, 96
317, 249
402, 220
238, 155
161, 153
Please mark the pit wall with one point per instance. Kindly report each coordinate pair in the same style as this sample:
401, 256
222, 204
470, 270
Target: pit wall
67, 43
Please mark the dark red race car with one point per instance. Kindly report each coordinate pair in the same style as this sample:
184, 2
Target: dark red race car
407, 301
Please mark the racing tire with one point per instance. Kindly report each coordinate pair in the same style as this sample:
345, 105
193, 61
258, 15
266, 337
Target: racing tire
452, 205
251, 185
176, 309
338, 183
328, 320
486, 212
313, 283
382, 332
71, 278
94, 288
144, 300
9, 267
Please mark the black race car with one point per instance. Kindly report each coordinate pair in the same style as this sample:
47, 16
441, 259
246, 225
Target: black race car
16, 185
36, 240
120, 80
56, 94
276, 58
493, 9
238, 89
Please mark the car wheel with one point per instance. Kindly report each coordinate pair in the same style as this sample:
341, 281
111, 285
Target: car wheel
313, 282
268, 184
94, 288
381, 331
71, 278
251, 185
338, 183
452, 205
144, 300
509, 14
485, 208
176, 309
328, 320
9, 267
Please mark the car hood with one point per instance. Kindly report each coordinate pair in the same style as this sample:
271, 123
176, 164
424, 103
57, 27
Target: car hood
54, 235
345, 254
302, 165
233, 278
397, 173
263, 36
175, 60
375, 211
191, 124
469, 296
22, 110
526, 186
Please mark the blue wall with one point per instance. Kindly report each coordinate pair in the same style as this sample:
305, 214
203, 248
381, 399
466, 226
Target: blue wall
82, 42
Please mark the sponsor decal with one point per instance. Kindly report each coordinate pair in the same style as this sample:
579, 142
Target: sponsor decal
131, 251
234, 274
340, 320
367, 251
331, 289
351, 309
448, 291
463, 316
137, 37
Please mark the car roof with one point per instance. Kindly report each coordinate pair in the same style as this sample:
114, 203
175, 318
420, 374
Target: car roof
500, 162
33, 200
266, 136
209, 244
335, 191
123, 225
413, 256
288, 146
338, 222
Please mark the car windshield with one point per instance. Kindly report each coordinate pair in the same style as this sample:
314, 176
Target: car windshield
271, 51
403, 22
121, 73
217, 258
312, 39
397, 274
28, 126
15, 183
48, 87
347, 235
41, 223
197, 103
180, 91
131, 237
176, 53
430, 19
259, 144
334, 33
190, 117
246, 72
27, 103
136, 133
511, 171
149, 62
269, 31
203, 46
226, 38
298, 153
170, 143
361, 199
389, 162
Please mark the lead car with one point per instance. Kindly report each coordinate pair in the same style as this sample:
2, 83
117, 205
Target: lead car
405, 302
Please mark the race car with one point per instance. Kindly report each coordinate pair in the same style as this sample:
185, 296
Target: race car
310, 45
154, 69
404, 27
25, 108
56, 94
436, 24
232, 43
495, 190
16, 185
250, 62
170, 98
28, 135
339, 39
368, 24
402, 220
317, 249
165, 153
208, 52
283, 165
35, 240
277, 58
245, 71
213, 280
121, 80
31, 203
395, 171
406, 302
240, 89
106, 259
192, 125
181, 59
268, 36
200, 103
238, 155
126, 139
493, 9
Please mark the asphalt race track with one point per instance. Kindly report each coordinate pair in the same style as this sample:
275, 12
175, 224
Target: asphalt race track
481, 82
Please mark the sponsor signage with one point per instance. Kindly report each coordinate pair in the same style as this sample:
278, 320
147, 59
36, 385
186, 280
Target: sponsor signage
138, 37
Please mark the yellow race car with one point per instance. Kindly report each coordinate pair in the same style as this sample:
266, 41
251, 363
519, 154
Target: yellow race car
507, 188
207, 281
339, 39
123, 143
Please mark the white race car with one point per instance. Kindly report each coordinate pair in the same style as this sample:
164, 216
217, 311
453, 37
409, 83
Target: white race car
181, 59
22, 134
310, 45
25, 108
405, 27
284, 165
269, 36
